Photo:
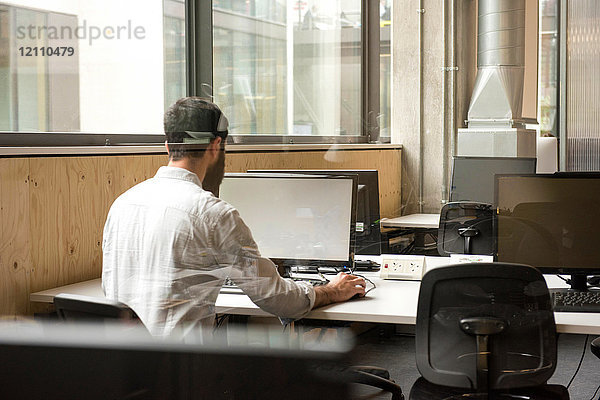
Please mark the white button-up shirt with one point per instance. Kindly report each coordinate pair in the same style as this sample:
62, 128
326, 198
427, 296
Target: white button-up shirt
169, 245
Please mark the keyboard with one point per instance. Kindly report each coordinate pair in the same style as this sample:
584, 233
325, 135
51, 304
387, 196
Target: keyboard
314, 269
231, 288
564, 300
312, 281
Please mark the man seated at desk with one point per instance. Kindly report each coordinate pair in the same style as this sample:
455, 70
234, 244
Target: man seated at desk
169, 243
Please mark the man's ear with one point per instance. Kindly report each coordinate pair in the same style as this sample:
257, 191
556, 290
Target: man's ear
167, 146
214, 147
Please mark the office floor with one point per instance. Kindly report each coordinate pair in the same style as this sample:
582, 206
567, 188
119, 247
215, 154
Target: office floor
397, 354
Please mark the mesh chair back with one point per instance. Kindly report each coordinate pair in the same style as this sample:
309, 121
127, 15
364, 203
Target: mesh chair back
466, 223
514, 297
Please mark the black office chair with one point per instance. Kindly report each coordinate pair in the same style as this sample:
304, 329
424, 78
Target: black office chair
73, 307
466, 228
485, 330
595, 345
367, 375
375, 377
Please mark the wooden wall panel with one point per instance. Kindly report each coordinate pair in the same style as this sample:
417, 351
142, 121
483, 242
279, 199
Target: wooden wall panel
15, 252
387, 162
66, 211
53, 209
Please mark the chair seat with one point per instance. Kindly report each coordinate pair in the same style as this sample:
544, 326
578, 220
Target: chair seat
596, 347
424, 390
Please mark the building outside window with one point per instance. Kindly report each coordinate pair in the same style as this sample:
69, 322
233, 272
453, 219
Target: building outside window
288, 67
279, 66
94, 66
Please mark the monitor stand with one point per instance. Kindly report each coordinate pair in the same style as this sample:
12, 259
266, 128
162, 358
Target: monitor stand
579, 283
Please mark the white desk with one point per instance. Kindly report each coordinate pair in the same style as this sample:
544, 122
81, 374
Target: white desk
392, 302
425, 221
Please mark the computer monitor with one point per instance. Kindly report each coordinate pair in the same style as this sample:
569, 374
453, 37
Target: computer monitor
368, 234
73, 361
297, 219
550, 222
473, 177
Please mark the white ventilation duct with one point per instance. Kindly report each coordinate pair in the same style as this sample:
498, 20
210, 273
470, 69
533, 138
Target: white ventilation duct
498, 94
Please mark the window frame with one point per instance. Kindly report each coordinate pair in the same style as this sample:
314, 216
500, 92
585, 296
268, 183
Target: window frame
199, 82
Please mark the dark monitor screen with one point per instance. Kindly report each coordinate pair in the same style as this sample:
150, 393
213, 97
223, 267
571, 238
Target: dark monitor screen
473, 177
549, 221
368, 234
71, 361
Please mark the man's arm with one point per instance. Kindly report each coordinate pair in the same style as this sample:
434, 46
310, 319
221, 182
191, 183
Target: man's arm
258, 276
340, 288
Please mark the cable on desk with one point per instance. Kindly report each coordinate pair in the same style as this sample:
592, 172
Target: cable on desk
580, 361
367, 280
592, 282
338, 270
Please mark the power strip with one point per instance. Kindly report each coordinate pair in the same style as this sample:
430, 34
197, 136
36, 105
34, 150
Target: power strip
395, 266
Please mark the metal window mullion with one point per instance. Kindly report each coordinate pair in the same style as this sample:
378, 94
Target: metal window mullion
562, 85
370, 69
199, 47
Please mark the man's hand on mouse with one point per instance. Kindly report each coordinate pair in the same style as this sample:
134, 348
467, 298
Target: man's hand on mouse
341, 288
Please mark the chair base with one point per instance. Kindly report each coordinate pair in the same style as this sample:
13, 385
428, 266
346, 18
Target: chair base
424, 390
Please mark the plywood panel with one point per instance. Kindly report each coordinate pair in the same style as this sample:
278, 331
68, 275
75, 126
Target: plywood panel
387, 162
119, 173
53, 209
66, 210
15, 255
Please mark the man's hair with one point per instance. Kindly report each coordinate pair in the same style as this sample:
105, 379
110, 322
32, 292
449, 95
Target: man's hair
193, 114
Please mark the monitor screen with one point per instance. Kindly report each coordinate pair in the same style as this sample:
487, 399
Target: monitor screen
368, 234
117, 361
549, 221
473, 177
295, 217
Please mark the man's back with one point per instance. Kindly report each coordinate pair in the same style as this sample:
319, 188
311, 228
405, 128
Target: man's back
159, 250
168, 247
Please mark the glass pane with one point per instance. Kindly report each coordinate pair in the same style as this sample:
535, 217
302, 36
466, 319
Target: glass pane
6, 111
92, 66
385, 48
548, 88
288, 67
31, 77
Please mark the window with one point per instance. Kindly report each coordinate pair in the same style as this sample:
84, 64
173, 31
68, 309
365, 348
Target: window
289, 67
89, 67
278, 66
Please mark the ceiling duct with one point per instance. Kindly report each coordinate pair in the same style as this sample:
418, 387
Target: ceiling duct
498, 94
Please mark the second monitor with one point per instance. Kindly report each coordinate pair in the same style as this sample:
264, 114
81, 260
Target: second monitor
473, 177
368, 234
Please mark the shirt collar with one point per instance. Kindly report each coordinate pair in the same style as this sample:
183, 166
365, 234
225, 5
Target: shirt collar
178, 173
